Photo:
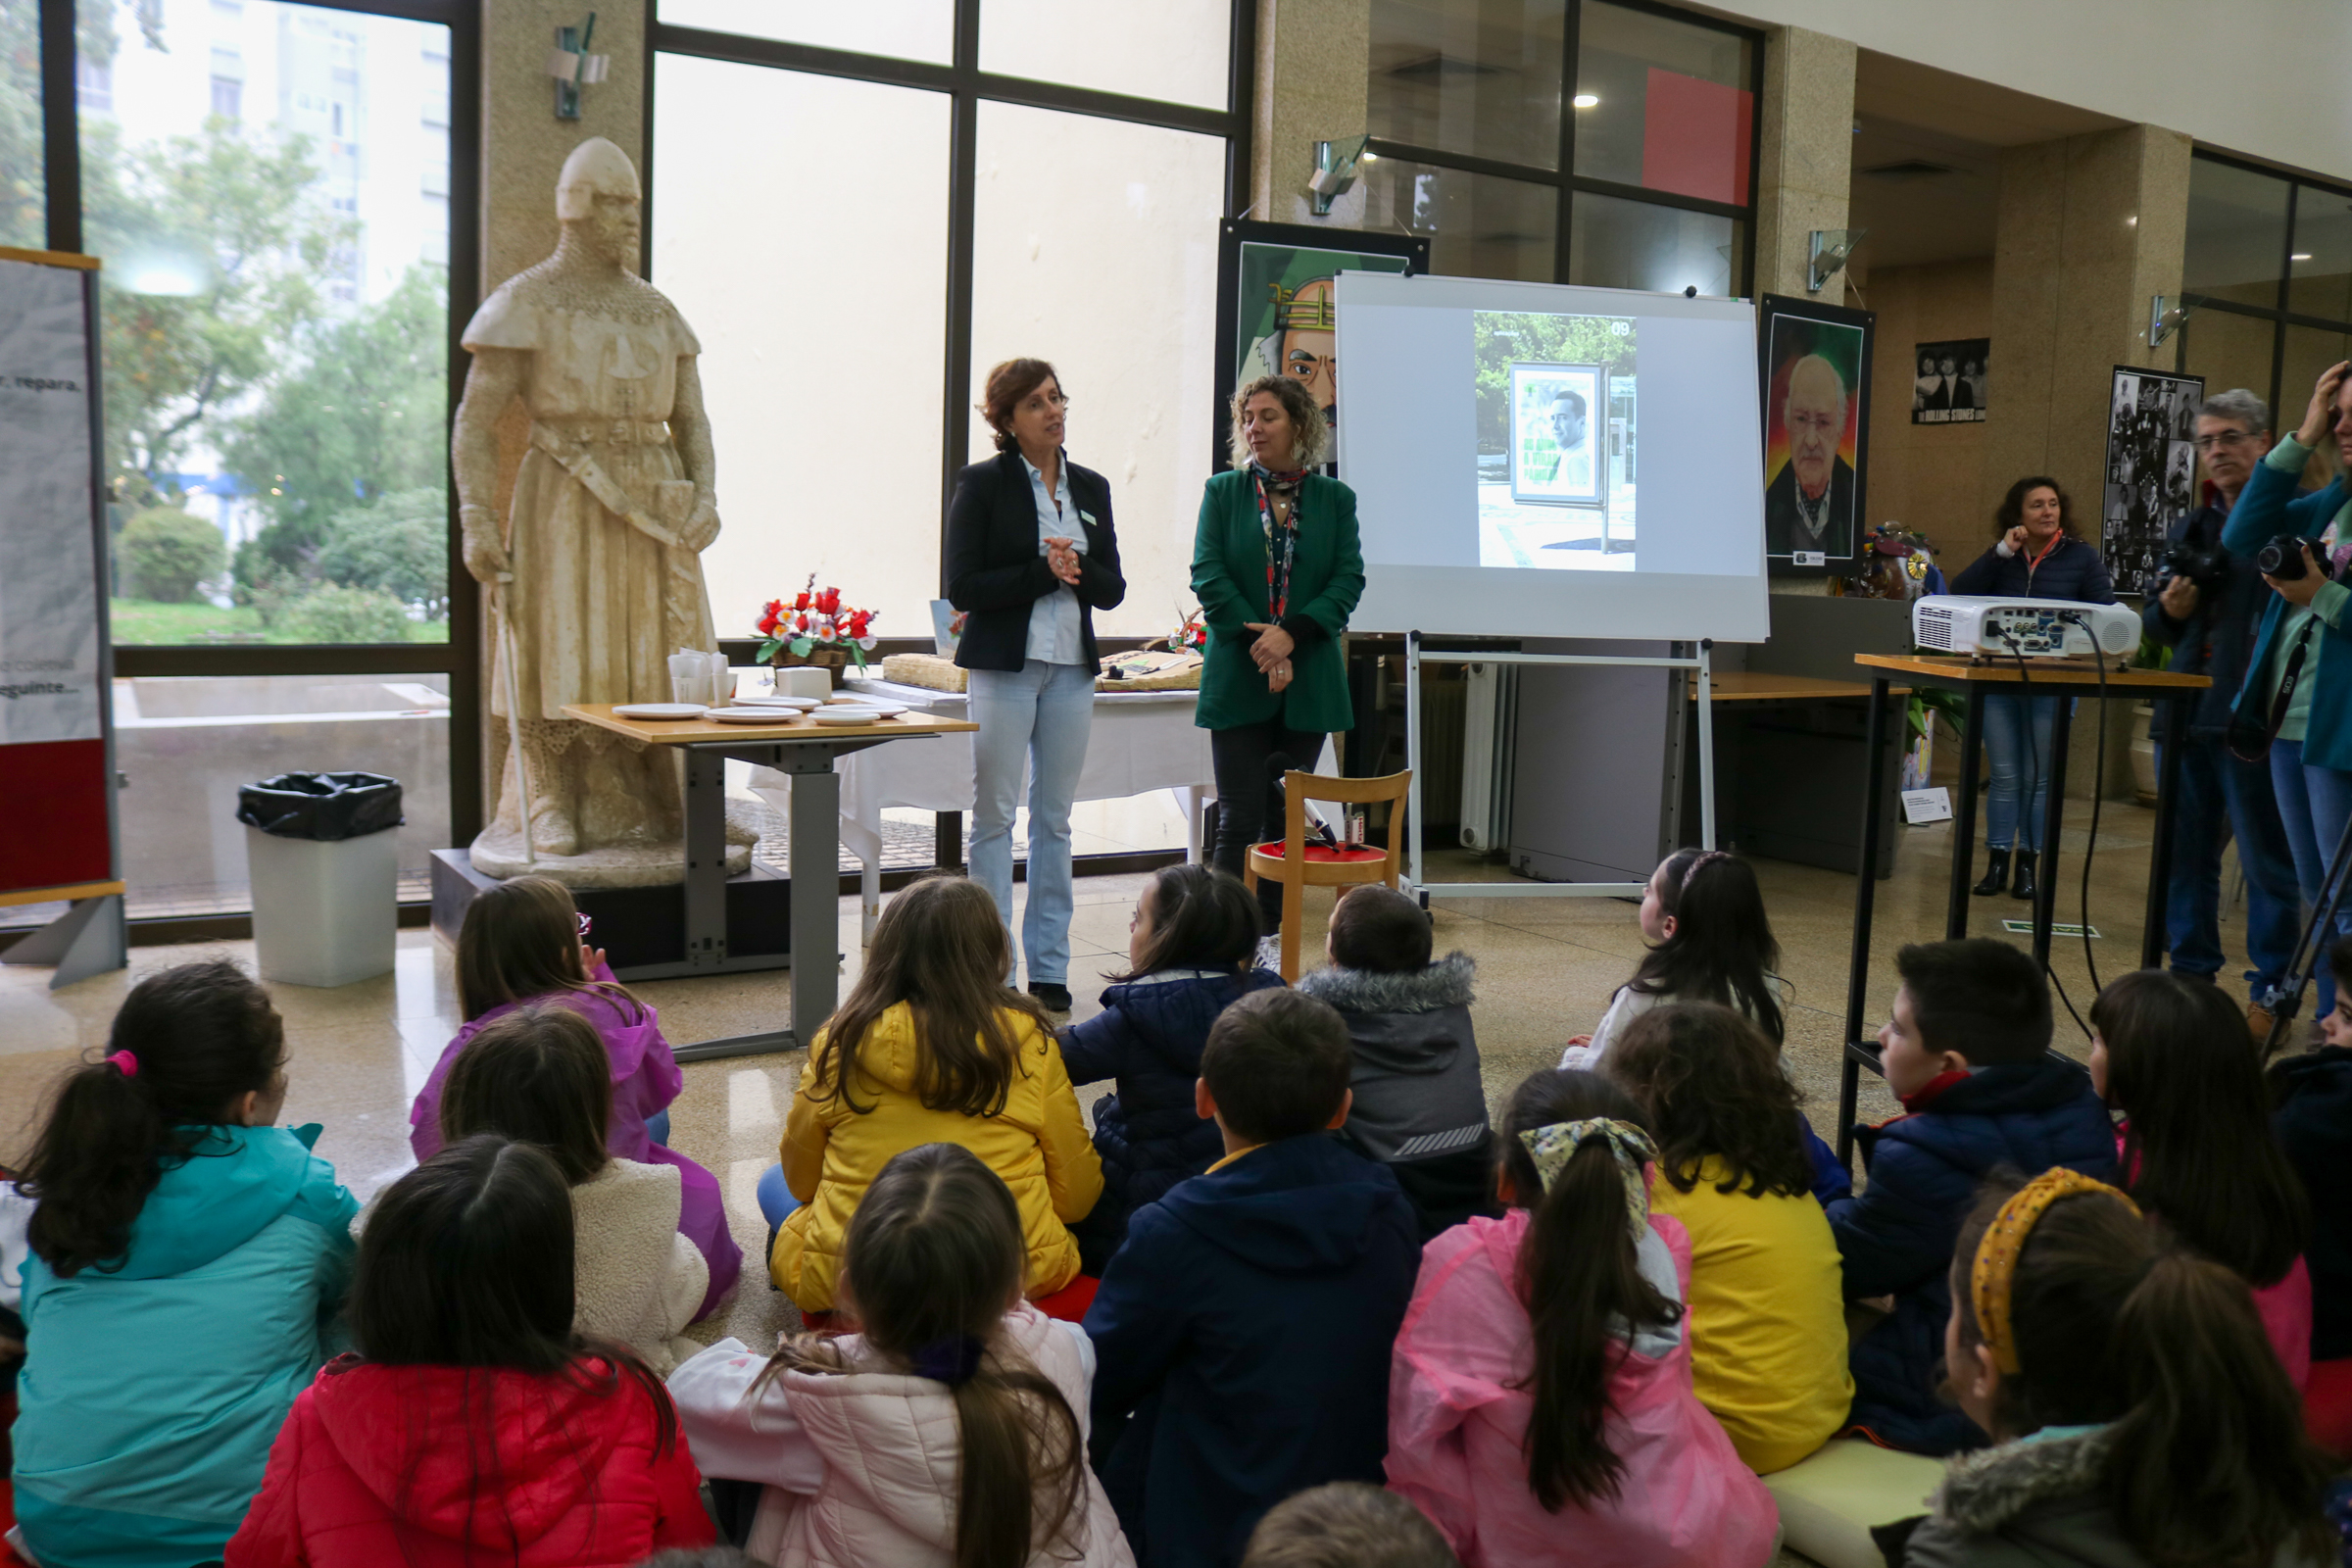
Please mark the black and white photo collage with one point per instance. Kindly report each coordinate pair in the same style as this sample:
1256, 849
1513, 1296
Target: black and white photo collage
2151, 476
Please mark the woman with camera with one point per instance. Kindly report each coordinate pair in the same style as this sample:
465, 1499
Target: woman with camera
2037, 555
2297, 695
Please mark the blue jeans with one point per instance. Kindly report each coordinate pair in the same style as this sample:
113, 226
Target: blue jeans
2021, 768
2213, 786
1038, 716
2314, 803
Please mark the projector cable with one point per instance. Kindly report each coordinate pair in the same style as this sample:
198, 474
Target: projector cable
2025, 697
2098, 793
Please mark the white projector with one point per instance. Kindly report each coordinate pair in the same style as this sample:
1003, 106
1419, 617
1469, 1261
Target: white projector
2038, 628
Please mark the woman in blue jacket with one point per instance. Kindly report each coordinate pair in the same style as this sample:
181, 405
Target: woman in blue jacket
187, 1256
2299, 688
2038, 555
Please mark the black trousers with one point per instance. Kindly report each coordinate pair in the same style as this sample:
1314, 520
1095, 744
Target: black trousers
1250, 795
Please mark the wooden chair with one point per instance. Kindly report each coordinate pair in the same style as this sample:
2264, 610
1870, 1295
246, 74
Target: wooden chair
1299, 866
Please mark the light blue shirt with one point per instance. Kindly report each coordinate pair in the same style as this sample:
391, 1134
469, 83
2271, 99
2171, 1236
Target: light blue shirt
1054, 635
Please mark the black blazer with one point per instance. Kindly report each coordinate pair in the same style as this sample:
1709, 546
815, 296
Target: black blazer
997, 575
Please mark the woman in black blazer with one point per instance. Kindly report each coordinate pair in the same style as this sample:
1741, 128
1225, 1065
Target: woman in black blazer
1031, 555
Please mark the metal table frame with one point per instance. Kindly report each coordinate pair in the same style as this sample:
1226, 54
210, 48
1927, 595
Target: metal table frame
2172, 693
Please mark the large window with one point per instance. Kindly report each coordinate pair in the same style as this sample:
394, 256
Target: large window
1034, 177
2268, 268
1642, 179
281, 196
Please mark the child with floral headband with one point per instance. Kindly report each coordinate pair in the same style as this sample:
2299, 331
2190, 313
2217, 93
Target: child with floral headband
1541, 1408
2139, 1412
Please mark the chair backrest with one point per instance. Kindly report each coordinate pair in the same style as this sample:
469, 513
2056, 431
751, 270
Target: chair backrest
1298, 787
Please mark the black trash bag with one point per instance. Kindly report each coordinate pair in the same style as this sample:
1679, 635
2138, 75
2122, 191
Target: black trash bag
325, 806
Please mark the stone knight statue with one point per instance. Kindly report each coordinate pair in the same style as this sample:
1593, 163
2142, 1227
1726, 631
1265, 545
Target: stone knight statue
595, 579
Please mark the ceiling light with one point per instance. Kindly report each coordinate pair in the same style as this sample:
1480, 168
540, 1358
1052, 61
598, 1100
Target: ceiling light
1586, 100
2300, 256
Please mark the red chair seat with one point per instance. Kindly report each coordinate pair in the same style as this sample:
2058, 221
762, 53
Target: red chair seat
1325, 853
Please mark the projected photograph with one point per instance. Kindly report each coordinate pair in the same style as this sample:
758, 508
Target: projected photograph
1816, 396
1556, 440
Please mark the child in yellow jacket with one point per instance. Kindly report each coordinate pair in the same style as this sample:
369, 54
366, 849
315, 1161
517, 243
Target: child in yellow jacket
931, 1046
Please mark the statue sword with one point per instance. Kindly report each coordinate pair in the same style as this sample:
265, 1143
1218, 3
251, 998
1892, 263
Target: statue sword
506, 665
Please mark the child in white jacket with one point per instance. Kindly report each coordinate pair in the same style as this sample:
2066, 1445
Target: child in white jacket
950, 1429
539, 1075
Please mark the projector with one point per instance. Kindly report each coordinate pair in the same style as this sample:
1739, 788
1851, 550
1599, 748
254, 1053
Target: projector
2038, 629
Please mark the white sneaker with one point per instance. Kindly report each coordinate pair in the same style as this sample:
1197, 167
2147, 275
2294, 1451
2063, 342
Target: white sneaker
1269, 954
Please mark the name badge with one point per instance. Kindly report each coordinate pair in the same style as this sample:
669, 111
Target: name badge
1085, 517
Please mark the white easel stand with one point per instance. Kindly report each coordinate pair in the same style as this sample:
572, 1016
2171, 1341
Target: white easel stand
1525, 888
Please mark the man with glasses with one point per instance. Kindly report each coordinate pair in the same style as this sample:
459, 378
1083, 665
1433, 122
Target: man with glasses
2211, 630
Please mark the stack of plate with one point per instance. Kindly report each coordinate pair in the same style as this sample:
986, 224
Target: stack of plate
670, 711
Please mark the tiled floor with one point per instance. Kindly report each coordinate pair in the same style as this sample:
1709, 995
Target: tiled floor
1546, 968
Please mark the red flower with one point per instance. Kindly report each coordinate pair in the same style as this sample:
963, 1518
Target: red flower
829, 601
767, 625
859, 621
802, 602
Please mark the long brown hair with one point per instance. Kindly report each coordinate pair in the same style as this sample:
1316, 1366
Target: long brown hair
2208, 1463
2199, 1149
1580, 1279
521, 939
1722, 948
1202, 918
933, 1260
538, 1075
1712, 1086
942, 950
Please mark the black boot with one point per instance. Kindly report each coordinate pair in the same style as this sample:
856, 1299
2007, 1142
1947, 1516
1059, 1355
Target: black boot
1996, 876
2022, 887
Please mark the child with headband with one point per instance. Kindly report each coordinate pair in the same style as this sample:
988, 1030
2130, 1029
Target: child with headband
1541, 1408
949, 1429
1703, 918
187, 1253
2138, 1413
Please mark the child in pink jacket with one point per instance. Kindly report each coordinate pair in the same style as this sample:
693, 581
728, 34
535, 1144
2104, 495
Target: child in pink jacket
1540, 1406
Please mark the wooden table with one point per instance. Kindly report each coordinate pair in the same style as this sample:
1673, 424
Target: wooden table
1763, 686
2040, 677
805, 750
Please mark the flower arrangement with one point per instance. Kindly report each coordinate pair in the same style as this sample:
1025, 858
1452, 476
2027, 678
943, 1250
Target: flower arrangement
1191, 632
815, 621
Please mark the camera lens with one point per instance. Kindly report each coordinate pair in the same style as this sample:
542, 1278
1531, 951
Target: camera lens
2281, 558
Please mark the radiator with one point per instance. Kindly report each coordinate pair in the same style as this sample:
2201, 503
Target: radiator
1488, 697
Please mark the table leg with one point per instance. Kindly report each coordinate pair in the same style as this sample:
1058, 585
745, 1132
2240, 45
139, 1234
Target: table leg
2053, 818
1865, 887
2173, 715
1188, 802
947, 842
816, 863
1964, 813
707, 859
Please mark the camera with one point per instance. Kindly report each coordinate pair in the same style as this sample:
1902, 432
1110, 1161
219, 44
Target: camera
2207, 568
2283, 557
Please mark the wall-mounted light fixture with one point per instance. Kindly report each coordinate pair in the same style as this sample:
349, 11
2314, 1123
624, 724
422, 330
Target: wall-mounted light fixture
1831, 247
2163, 322
575, 68
1335, 164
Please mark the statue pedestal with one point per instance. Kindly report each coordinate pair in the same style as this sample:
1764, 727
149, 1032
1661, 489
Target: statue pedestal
498, 853
643, 926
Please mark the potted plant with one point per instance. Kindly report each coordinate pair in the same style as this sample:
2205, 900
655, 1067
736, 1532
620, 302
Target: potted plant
816, 629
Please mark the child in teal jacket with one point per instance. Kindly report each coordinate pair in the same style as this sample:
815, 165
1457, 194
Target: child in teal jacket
186, 1258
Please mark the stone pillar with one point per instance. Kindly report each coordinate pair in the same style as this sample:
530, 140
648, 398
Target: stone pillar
1805, 166
1314, 63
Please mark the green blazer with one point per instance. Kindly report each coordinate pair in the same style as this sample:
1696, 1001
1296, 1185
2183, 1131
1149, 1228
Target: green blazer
1229, 579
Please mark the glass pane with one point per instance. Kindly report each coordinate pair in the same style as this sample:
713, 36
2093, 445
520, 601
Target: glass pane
2320, 272
818, 359
908, 30
1480, 225
2231, 352
1663, 104
2236, 230
1621, 244
2309, 350
184, 747
1174, 50
23, 213
269, 187
1094, 246
1481, 78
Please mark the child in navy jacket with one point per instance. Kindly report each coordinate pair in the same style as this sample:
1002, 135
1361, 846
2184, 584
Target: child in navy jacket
1188, 958
1242, 1336
1966, 1052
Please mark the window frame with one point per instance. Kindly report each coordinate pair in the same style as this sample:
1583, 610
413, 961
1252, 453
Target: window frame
459, 658
1566, 182
966, 88
2278, 312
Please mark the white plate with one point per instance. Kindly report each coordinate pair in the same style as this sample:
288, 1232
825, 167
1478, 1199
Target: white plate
767, 714
660, 711
797, 704
846, 716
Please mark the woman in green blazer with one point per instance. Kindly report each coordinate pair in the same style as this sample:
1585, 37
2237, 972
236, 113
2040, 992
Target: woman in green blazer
1278, 570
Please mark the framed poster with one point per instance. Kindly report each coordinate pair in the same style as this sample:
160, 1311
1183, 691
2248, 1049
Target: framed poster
2150, 480
1950, 386
1275, 307
1815, 363
1553, 439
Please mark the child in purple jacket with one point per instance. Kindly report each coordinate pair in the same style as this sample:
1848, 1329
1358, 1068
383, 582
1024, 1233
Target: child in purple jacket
522, 942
